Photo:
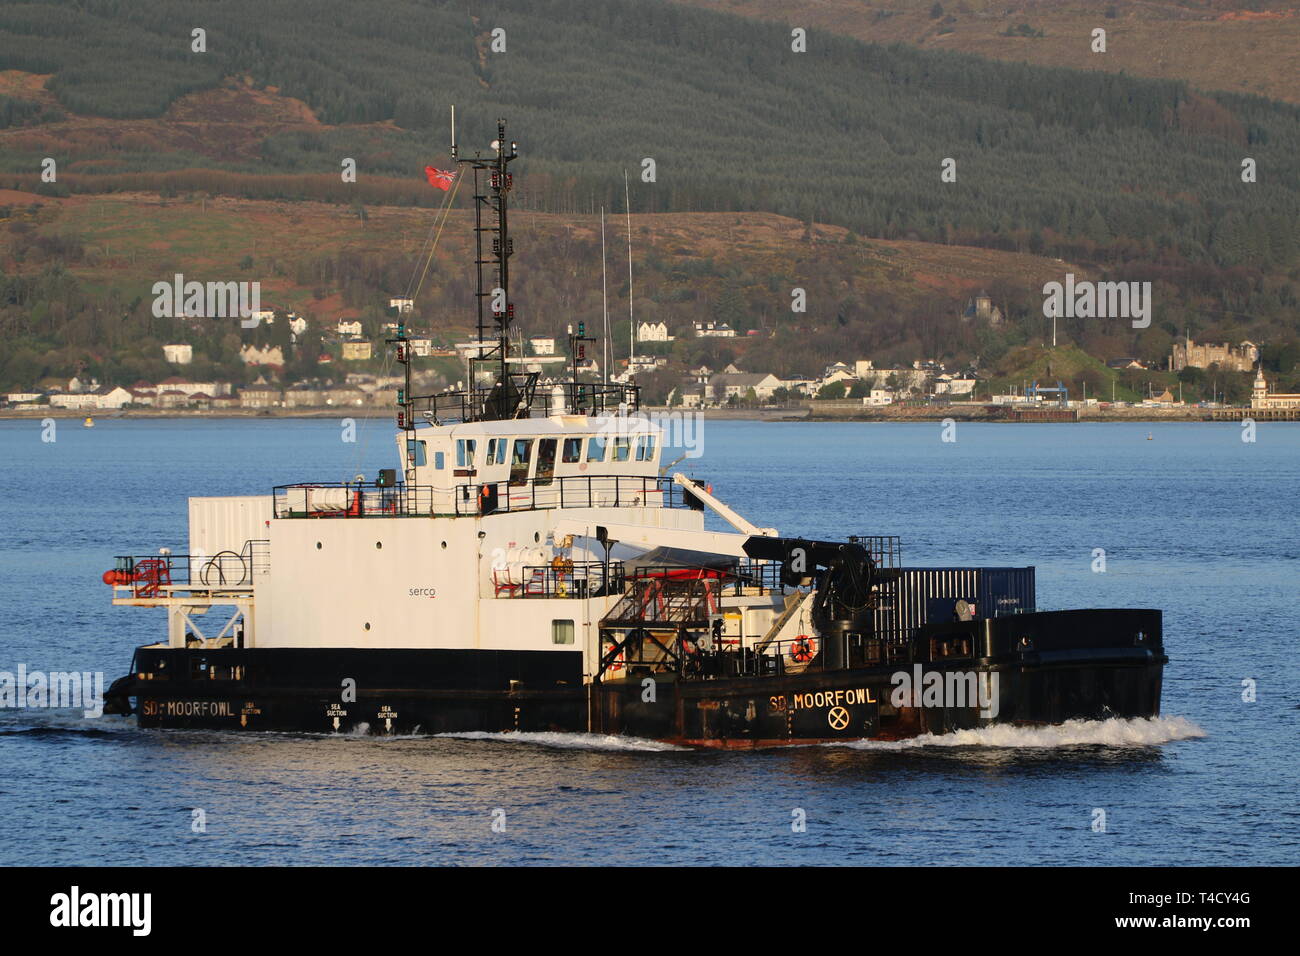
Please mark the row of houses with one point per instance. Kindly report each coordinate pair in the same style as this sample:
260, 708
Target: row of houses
881, 386
180, 393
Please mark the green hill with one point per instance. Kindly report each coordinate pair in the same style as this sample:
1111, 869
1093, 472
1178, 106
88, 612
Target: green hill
1048, 160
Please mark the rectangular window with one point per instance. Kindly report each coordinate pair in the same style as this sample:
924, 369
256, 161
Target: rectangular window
622, 448
596, 448
572, 450
439, 460
415, 452
561, 632
519, 461
465, 448
546, 460
496, 453
645, 448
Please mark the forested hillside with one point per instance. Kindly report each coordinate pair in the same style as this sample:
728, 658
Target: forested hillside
1106, 174
847, 132
1242, 46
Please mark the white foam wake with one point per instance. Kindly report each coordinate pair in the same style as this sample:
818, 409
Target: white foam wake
613, 742
1116, 732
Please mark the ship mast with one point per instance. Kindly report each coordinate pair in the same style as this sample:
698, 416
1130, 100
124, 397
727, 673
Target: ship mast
493, 391
506, 392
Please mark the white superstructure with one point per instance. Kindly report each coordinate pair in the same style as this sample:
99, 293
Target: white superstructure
492, 543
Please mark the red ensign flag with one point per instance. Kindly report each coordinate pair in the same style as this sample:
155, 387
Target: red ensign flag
439, 177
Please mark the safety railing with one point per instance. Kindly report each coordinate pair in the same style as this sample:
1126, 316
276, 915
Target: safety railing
525, 398
353, 499
706, 655
565, 579
571, 491
886, 550
148, 575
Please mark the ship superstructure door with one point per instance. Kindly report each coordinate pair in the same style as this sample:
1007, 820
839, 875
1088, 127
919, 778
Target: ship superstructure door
544, 475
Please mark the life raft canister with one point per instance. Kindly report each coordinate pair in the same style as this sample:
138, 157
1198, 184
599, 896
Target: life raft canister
803, 649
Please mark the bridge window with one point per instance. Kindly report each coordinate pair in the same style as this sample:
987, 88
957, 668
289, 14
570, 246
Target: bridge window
439, 460
645, 448
465, 448
572, 450
622, 448
415, 452
519, 460
561, 632
546, 460
496, 452
596, 448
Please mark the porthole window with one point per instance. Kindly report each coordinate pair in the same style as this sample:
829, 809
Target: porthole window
444, 546
367, 625
378, 545
317, 545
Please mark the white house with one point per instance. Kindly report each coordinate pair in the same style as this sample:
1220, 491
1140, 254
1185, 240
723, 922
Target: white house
349, 327
179, 354
646, 363
714, 330
542, 345
106, 397
954, 386
878, 396
188, 388
653, 332
401, 304
838, 372
727, 385
687, 395
905, 377
114, 397
270, 355
78, 400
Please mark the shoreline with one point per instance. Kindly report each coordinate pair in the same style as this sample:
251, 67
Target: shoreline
797, 414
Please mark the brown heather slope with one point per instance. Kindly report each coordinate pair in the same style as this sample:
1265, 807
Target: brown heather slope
132, 240
1213, 44
227, 123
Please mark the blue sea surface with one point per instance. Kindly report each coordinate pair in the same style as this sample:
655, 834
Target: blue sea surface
1192, 520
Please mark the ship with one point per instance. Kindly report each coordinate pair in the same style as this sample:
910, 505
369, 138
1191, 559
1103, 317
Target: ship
530, 565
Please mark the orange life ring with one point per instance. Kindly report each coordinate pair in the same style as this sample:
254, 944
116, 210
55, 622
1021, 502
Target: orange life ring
803, 649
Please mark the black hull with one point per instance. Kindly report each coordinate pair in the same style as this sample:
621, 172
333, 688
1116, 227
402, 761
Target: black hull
392, 691
1040, 668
